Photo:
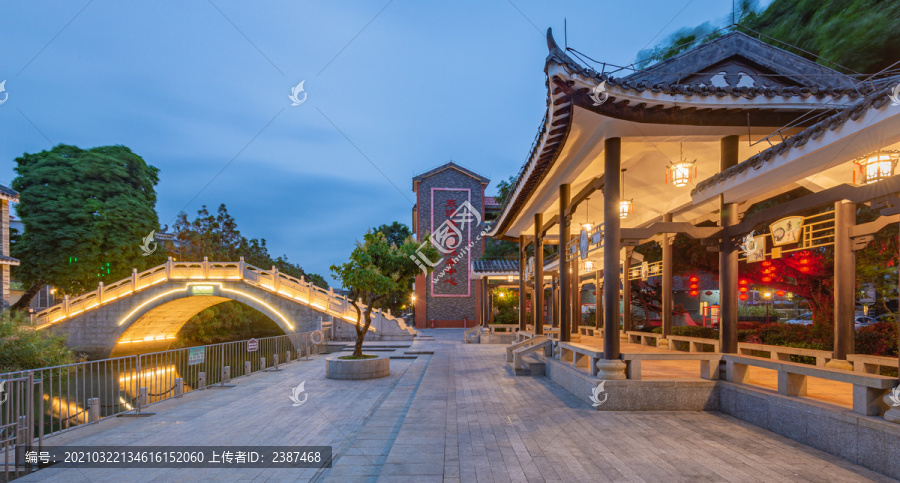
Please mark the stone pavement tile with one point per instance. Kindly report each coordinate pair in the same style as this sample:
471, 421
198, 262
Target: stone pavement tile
435, 468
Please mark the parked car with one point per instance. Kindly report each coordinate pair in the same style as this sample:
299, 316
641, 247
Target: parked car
799, 320
863, 321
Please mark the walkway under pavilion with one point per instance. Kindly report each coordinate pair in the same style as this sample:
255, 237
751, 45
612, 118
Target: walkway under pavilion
455, 415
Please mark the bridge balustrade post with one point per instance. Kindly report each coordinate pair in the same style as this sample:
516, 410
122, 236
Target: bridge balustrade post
205, 267
66, 304
93, 405
247, 368
134, 280
275, 279
242, 265
179, 387
169, 269
100, 293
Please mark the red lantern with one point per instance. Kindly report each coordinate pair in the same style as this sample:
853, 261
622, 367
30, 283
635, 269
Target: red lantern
742, 289
767, 279
709, 292
780, 293
694, 293
766, 263
742, 296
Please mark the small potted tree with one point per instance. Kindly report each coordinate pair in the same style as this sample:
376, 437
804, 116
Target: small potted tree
376, 269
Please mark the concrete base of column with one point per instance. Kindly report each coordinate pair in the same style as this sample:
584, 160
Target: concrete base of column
839, 364
662, 344
610, 370
623, 336
575, 338
892, 415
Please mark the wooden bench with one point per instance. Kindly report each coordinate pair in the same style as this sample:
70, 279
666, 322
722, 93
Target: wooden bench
709, 362
506, 328
590, 331
871, 364
580, 355
868, 389
781, 353
694, 343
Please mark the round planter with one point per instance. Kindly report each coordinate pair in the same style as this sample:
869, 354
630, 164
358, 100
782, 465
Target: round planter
356, 368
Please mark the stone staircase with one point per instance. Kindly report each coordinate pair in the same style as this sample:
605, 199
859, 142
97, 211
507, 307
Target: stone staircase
521, 356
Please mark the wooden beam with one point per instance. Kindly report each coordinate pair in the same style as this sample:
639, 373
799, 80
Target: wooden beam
595, 184
695, 232
849, 192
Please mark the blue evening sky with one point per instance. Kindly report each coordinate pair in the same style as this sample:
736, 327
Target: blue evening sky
394, 88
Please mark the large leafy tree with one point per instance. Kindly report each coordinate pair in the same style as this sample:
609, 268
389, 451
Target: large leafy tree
396, 233
376, 270
837, 31
86, 213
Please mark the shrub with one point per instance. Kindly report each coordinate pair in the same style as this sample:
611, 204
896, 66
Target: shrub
878, 339
22, 347
695, 331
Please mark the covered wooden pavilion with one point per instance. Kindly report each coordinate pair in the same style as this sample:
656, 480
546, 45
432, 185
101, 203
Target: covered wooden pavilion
618, 161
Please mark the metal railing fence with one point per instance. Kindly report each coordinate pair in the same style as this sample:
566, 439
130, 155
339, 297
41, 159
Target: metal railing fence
51, 400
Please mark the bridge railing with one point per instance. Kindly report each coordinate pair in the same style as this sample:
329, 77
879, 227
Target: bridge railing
61, 398
270, 280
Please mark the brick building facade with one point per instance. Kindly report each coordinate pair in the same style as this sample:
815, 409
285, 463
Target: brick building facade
450, 206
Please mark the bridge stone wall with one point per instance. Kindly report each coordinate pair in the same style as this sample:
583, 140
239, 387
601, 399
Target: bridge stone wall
160, 311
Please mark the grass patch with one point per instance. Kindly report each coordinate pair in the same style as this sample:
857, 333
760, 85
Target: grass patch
364, 356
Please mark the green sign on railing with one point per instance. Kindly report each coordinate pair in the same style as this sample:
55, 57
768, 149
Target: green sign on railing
196, 355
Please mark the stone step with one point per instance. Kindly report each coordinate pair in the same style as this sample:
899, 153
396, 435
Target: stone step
534, 366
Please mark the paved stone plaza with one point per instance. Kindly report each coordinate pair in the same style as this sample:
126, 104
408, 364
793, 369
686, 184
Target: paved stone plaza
457, 415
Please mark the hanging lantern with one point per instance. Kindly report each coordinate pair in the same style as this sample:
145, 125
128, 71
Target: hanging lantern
682, 172
509, 278
742, 296
587, 216
588, 266
625, 206
780, 293
876, 166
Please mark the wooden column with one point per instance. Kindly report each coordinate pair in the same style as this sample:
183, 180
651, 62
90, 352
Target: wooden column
564, 278
626, 292
612, 236
844, 285
553, 303
666, 284
522, 321
537, 301
598, 312
728, 257
575, 299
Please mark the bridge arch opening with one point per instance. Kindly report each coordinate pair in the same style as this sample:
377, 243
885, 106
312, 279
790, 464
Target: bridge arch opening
156, 324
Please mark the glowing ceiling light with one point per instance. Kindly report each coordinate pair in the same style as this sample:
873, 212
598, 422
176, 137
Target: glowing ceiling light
877, 166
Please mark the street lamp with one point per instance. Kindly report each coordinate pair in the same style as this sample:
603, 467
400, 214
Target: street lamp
767, 295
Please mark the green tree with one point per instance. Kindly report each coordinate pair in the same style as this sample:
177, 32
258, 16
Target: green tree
837, 31
396, 233
376, 269
86, 213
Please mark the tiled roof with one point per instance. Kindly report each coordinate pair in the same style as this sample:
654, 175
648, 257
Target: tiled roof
8, 194
873, 101
4, 260
453, 165
490, 201
493, 266
644, 80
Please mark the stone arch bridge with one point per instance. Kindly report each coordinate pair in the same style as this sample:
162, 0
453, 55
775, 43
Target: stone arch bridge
144, 312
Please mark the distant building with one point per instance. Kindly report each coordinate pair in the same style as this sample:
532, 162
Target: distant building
448, 297
7, 196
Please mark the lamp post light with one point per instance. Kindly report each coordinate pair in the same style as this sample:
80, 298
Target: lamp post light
768, 296
625, 206
876, 166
